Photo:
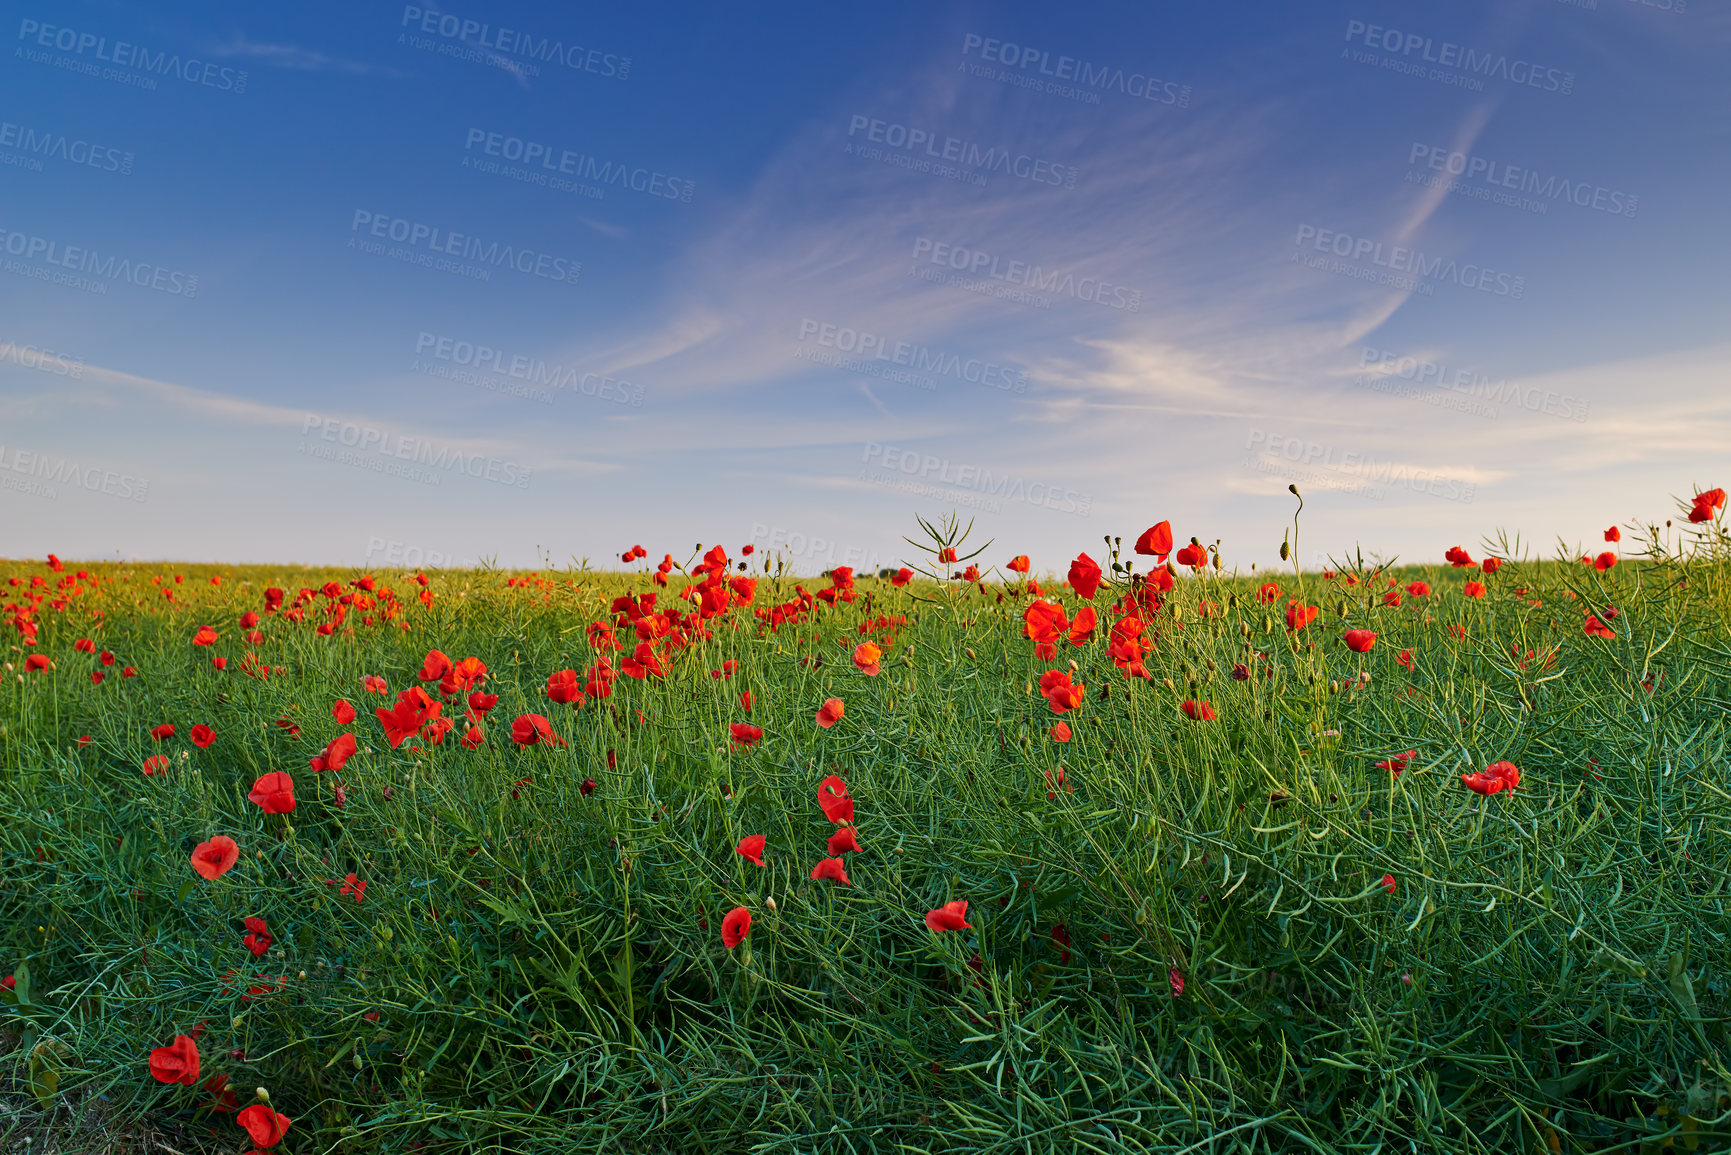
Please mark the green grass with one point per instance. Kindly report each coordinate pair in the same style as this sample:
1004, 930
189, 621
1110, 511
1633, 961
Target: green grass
1549, 973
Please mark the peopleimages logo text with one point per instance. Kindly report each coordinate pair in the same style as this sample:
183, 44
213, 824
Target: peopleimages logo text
912, 355
1475, 170
968, 153
1101, 77
58, 146
465, 247
976, 262
127, 55
533, 370
388, 447
1387, 366
1404, 260
87, 260
1447, 54
512, 42
581, 165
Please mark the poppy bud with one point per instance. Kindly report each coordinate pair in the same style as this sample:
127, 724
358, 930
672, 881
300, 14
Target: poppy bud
263, 1095
770, 903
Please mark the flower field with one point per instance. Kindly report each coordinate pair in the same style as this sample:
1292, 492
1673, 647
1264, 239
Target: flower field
1126, 853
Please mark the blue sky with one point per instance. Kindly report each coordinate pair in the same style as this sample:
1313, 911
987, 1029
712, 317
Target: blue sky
793, 276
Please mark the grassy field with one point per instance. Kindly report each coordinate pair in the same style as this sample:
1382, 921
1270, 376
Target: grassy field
1229, 884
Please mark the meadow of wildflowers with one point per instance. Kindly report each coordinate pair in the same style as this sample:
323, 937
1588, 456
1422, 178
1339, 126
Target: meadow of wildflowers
991, 852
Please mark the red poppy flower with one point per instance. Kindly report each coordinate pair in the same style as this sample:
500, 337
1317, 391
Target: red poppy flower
1156, 540
833, 797
1198, 711
206, 636
1044, 624
1360, 641
1474, 589
946, 555
845, 839
215, 858
1268, 593
950, 916
1084, 577
1084, 625
1706, 504
1060, 731
480, 703
374, 685
735, 925
473, 737
414, 709
1598, 629
84, 646
1193, 555
643, 662
1299, 616
1491, 564
274, 793
336, 755
745, 698
831, 869
750, 848
1061, 693
1175, 980
867, 656
163, 732
1391, 598
1604, 561
464, 675
1458, 557
175, 1063
1387, 883
1498, 776
36, 662
1019, 564
259, 937
202, 736
264, 1125
225, 1098
435, 666
829, 713
744, 735
156, 764
1395, 763
902, 577
354, 886
533, 729
343, 712
562, 687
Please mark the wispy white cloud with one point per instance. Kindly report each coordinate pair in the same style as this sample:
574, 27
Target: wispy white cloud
295, 57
